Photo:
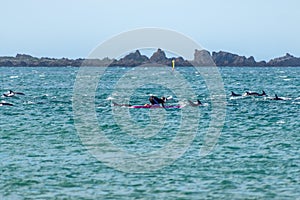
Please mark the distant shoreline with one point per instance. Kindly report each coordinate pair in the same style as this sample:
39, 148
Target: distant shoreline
201, 58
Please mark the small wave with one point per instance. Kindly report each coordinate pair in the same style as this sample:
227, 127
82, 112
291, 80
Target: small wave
29, 103
283, 76
280, 122
205, 104
232, 104
45, 96
238, 97
14, 77
286, 98
182, 103
102, 106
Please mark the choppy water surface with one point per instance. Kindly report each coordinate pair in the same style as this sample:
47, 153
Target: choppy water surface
257, 154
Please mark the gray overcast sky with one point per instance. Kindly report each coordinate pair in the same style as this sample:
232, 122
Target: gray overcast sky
72, 28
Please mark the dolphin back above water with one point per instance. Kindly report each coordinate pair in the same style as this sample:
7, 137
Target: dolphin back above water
256, 94
5, 104
11, 93
235, 95
195, 104
277, 98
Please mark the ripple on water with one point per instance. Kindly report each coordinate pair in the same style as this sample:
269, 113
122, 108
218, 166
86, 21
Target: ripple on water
256, 157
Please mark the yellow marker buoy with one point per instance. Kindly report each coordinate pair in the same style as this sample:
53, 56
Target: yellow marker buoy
173, 64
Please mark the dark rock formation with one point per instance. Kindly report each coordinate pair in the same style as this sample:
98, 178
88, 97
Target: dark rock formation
23, 60
201, 58
287, 60
131, 60
228, 59
159, 57
181, 62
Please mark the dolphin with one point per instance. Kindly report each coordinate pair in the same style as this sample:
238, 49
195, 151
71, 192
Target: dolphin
121, 105
195, 104
277, 98
235, 95
12, 93
9, 94
256, 94
5, 104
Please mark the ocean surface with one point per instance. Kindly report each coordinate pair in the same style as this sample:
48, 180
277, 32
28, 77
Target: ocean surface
45, 155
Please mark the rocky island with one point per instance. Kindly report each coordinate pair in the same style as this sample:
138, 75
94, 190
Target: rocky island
220, 58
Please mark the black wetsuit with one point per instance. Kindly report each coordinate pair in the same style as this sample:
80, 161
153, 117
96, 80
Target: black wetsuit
155, 100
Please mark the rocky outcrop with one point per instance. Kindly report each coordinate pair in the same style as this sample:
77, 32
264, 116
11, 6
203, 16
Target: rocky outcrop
179, 61
287, 60
23, 60
159, 57
201, 58
131, 60
228, 59
222, 58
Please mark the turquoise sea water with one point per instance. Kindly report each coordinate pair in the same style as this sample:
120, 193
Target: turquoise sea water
257, 155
